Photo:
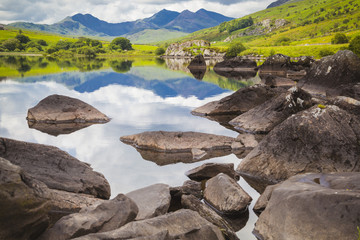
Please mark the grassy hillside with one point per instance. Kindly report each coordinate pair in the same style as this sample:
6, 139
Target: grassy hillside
296, 23
150, 36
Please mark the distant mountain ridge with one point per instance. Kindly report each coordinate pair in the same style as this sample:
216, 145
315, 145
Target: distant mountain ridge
86, 24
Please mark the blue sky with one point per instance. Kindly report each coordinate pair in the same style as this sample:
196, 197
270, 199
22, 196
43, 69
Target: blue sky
51, 11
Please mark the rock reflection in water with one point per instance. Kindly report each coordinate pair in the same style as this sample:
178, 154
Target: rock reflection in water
198, 73
57, 129
166, 158
238, 74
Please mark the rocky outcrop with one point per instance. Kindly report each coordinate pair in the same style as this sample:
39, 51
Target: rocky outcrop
179, 146
195, 204
277, 62
263, 118
182, 224
226, 195
23, 210
239, 102
276, 81
236, 68
332, 74
312, 206
182, 49
209, 170
320, 139
56, 168
197, 66
104, 217
63, 109
189, 187
152, 201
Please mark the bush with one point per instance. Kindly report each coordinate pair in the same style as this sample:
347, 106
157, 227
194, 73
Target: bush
234, 50
22, 38
33, 45
12, 44
64, 45
325, 52
283, 41
42, 42
87, 51
354, 45
120, 43
159, 51
339, 38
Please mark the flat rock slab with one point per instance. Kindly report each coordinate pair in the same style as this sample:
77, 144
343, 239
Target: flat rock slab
23, 210
63, 109
263, 118
104, 217
54, 167
239, 102
312, 206
226, 195
152, 201
182, 224
209, 170
322, 139
193, 145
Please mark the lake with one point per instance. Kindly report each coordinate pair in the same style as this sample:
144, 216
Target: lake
139, 94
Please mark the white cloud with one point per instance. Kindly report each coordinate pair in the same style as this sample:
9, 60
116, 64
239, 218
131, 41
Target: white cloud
51, 11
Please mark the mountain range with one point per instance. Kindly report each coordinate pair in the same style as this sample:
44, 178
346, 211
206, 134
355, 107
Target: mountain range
88, 25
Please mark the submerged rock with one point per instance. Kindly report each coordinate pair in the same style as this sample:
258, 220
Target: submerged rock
226, 195
312, 206
331, 75
63, 109
263, 118
104, 217
239, 102
320, 139
56, 168
182, 224
209, 170
23, 210
152, 201
170, 147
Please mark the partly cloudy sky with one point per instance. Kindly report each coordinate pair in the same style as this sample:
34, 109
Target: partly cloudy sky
51, 11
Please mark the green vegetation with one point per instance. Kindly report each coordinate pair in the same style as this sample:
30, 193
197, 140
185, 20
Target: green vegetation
339, 38
234, 50
159, 51
355, 45
121, 44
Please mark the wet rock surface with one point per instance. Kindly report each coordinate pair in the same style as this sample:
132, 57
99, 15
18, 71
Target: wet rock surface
312, 206
320, 139
263, 118
226, 195
56, 168
23, 210
239, 102
63, 109
182, 224
334, 75
152, 201
209, 170
104, 217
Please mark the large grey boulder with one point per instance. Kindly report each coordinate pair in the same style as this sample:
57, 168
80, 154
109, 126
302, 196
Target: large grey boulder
63, 109
233, 64
56, 168
179, 146
197, 62
277, 62
263, 118
334, 75
239, 102
182, 224
152, 201
312, 206
320, 139
226, 195
104, 217
195, 204
209, 170
23, 210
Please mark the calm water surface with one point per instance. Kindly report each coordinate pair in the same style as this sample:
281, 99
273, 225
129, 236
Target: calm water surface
137, 94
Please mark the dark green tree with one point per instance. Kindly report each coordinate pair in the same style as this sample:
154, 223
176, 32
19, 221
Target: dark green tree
121, 43
159, 51
22, 38
354, 45
12, 44
234, 50
339, 38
